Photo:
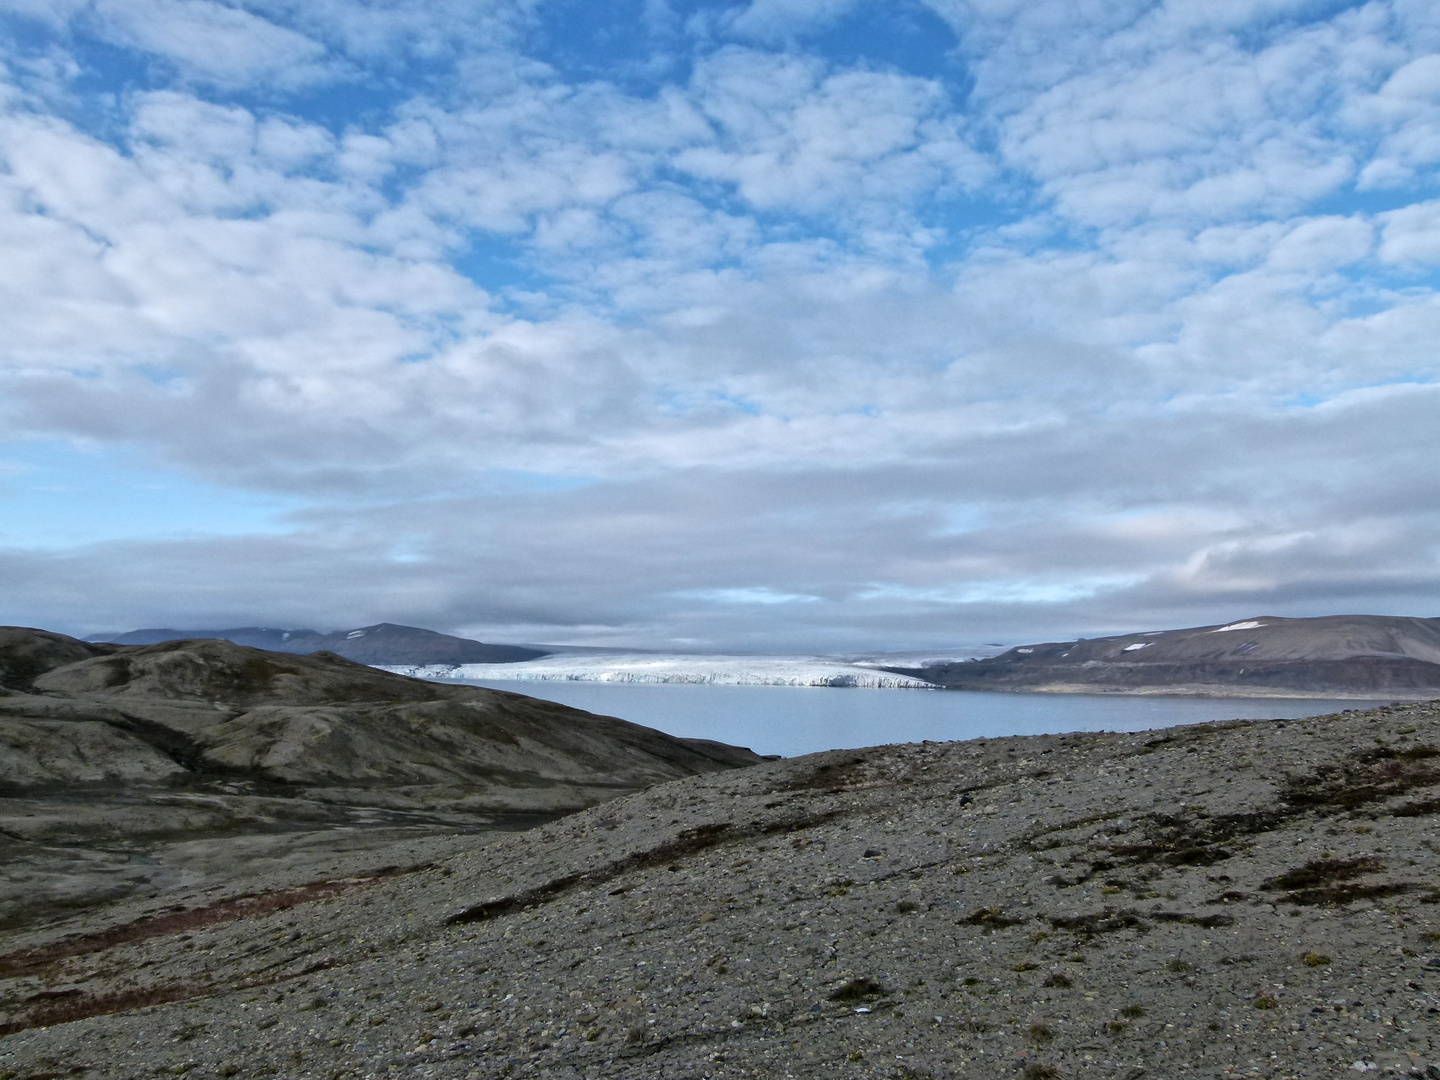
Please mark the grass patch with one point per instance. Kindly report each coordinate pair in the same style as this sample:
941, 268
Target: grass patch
1109, 921
1319, 872
1207, 922
991, 918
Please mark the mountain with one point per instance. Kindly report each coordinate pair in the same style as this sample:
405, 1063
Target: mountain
127, 768
257, 637
383, 643
1355, 655
1230, 900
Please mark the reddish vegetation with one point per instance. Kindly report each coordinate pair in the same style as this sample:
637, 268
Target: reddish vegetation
30, 961
85, 1005
61, 1007
78, 1005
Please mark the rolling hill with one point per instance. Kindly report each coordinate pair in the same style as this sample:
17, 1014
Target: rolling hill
127, 768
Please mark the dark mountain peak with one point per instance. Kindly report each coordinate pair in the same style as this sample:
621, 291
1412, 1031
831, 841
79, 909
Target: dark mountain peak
394, 644
257, 637
27, 653
383, 643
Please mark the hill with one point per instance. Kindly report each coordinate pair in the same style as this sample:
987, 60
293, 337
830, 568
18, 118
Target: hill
1245, 899
126, 768
1338, 655
383, 643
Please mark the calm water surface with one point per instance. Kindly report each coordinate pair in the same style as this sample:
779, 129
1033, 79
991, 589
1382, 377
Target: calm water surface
792, 720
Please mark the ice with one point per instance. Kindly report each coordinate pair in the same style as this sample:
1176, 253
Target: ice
670, 668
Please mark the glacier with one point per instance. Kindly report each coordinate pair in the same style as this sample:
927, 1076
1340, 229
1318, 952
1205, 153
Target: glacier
716, 670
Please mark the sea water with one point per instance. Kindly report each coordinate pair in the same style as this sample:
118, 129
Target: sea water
790, 720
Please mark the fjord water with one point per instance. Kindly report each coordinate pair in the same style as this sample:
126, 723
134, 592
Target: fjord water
791, 720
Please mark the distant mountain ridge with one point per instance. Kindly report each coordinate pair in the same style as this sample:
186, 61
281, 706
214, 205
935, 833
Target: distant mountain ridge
1356, 655
383, 643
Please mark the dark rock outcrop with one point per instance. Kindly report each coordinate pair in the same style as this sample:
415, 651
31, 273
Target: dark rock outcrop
383, 643
1356, 655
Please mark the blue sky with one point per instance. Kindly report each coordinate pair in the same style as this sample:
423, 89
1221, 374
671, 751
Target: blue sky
765, 324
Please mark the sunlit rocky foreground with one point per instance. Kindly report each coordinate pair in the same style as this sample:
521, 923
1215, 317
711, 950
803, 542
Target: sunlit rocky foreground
1246, 899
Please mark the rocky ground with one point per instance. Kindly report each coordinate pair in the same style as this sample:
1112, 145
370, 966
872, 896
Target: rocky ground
1252, 899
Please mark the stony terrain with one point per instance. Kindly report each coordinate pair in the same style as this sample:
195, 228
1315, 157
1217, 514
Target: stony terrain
1360, 656
139, 770
1248, 899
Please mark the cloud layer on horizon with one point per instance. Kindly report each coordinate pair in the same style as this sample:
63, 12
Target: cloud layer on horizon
788, 324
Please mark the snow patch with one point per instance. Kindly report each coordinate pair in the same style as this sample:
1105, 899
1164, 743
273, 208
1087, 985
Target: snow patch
354, 634
1027, 652
1137, 645
1249, 624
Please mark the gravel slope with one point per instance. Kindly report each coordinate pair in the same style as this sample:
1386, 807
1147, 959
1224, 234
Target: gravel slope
1244, 899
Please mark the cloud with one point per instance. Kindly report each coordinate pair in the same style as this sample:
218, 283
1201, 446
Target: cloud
792, 136
214, 42
1405, 111
774, 20
1412, 235
763, 346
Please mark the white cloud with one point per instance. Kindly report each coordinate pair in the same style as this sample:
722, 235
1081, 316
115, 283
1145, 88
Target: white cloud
52, 12
772, 20
215, 42
1412, 235
1406, 111
1320, 244
792, 136
1198, 134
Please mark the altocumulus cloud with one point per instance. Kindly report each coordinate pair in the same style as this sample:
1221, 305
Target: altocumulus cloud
789, 324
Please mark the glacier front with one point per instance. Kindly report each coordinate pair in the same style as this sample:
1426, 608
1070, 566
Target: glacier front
718, 670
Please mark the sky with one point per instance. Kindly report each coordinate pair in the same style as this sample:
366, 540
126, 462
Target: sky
760, 325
